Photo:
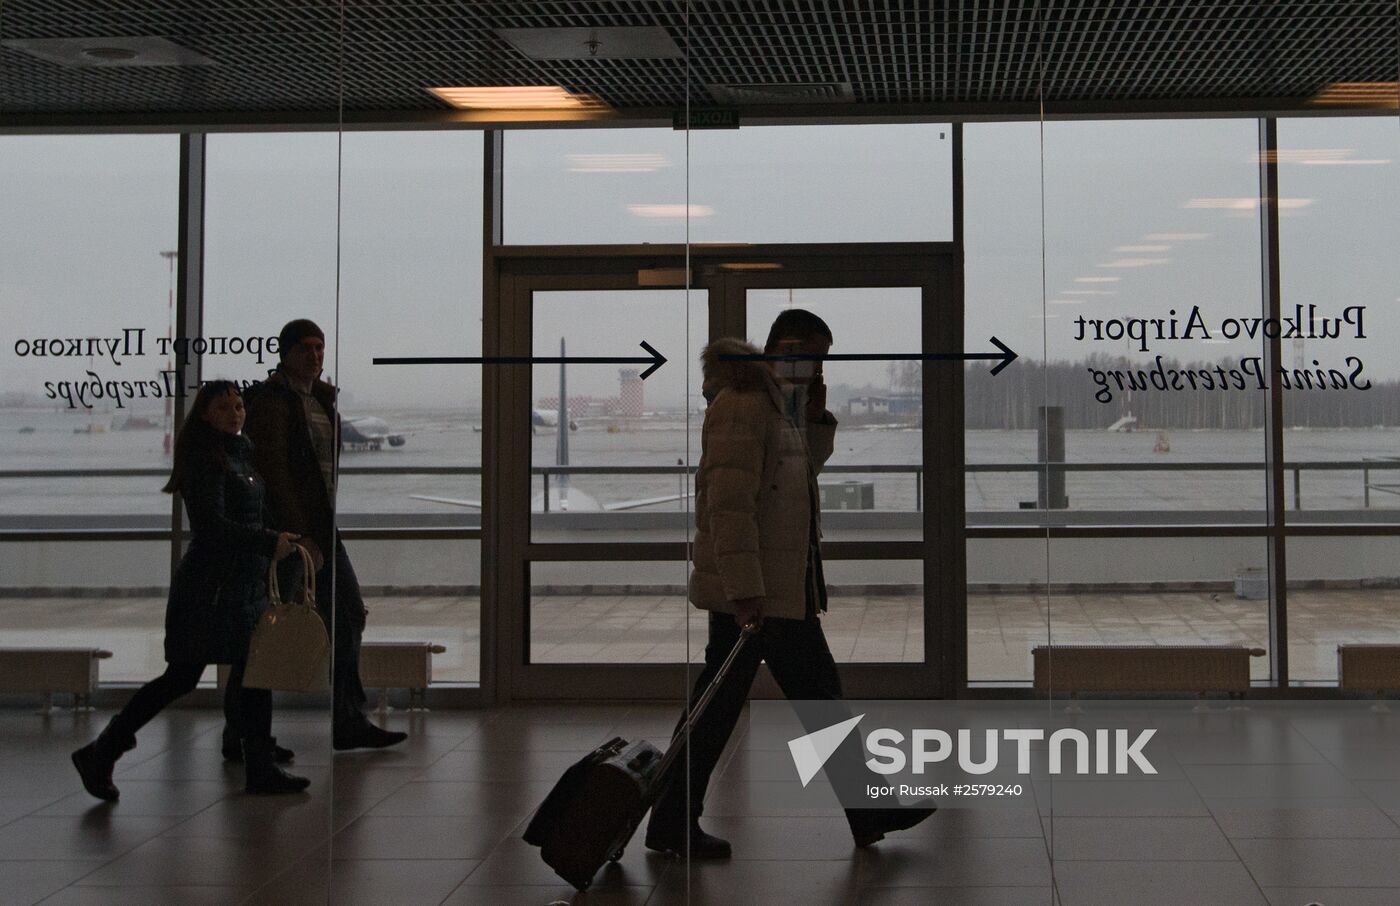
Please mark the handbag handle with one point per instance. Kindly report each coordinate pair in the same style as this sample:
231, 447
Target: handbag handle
308, 580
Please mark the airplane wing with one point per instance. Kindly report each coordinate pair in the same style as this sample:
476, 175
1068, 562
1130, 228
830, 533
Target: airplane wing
453, 501
644, 501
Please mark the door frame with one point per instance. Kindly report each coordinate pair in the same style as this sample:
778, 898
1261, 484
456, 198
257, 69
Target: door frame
517, 272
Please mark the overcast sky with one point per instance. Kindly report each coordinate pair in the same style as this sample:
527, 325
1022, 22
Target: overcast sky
1138, 218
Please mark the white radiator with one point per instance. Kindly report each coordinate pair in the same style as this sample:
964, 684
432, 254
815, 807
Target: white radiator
50, 670
1371, 668
1143, 668
399, 665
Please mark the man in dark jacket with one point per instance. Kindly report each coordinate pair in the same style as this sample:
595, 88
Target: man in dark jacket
295, 430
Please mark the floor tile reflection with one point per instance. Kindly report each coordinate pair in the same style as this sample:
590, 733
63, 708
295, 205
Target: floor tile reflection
439, 821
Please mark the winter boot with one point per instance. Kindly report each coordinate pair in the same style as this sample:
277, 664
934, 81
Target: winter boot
96, 760
263, 774
233, 750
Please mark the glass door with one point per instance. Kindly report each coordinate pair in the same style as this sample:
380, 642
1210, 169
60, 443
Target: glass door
595, 465
892, 511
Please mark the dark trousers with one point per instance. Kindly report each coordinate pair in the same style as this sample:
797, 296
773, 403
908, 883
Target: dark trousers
248, 711
342, 606
802, 665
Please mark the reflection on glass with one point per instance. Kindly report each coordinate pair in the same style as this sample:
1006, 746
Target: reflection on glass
875, 614
628, 435
1142, 276
425, 591
86, 256
613, 612
1102, 591
595, 186
410, 286
1002, 285
1341, 591
270, 244
830, 183
620, 612
1337, 261
86, 290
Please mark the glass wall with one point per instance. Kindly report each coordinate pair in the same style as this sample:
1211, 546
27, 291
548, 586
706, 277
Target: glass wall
411, 285
1115, 479
1004, 482
101, 256
1157, 401
87, 289
1338, 286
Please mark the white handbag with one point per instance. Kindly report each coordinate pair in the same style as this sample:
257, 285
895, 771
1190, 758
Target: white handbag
290, 650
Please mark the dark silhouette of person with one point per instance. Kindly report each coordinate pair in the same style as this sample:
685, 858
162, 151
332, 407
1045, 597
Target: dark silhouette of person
217, 593
757, 560
295, 429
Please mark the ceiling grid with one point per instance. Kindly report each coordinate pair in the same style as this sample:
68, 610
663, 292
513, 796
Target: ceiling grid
911, 57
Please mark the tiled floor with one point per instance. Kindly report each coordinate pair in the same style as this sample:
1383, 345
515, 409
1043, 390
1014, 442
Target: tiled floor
439, 819
650, 628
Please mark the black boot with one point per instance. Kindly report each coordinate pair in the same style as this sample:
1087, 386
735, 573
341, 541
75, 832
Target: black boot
233, 750
869, 825
96, 760
697, 844
358, 733
263, 774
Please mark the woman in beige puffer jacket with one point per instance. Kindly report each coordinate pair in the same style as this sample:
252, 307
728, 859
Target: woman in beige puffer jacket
754, 490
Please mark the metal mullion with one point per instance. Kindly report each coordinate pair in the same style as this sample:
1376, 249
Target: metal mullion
954, 485
512, 484
1276, 500
577, 551
189, 302
819, 251
571, 551
1039, 532
411, 534
494, 687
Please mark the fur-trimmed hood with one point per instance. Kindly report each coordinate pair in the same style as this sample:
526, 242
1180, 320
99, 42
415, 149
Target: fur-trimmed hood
743, 375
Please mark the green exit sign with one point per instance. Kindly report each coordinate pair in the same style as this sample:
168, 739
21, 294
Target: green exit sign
712, 118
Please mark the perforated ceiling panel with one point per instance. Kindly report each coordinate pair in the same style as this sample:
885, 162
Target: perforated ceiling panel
965, 56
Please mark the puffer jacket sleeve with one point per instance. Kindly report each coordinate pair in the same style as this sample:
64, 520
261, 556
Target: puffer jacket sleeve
821, 441
205, 502
731, 472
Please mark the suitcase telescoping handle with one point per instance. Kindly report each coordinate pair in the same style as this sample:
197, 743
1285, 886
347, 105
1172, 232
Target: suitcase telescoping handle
683, 732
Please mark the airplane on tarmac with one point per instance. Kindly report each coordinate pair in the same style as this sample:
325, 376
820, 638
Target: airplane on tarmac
563, 496
548, 418
366, 432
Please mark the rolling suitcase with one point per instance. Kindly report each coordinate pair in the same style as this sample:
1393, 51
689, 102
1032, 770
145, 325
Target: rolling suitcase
595, 808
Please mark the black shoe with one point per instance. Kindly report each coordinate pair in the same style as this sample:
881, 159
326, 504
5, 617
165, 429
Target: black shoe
364, 735
262, 773
702, 845
873, 823
96, 760
234, 753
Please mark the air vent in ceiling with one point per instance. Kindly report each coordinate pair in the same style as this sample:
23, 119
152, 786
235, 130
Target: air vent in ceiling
808, 93
109, 52
648, 42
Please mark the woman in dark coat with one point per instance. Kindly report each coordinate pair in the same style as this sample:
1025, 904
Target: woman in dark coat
218, 592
